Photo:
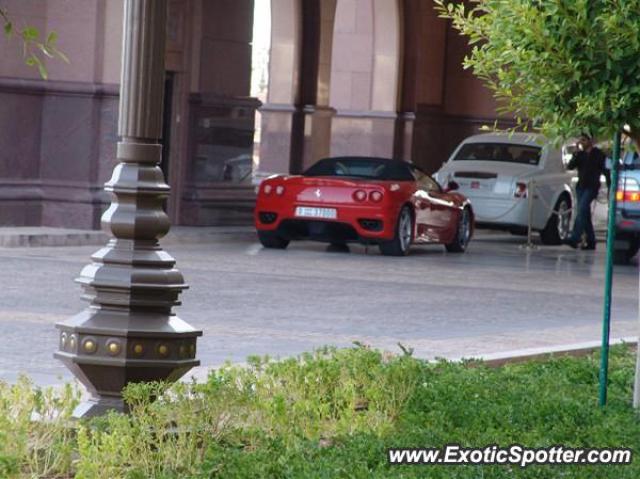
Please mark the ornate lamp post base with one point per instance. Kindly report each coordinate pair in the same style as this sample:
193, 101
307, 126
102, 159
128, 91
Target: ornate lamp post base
128, 333
105, 358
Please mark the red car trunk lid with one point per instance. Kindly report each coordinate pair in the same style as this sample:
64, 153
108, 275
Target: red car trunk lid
329, 189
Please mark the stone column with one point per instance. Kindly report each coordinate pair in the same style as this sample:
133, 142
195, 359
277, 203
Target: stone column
129, 333
296, 120
310, 136
403, 135
416, 36
311, 122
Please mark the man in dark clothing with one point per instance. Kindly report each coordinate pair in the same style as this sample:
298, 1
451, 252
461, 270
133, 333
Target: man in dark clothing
590, 162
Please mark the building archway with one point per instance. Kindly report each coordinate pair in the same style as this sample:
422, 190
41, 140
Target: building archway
366, 77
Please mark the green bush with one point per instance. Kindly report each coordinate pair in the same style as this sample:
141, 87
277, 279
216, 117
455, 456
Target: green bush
312, 398
37, 438
327, 414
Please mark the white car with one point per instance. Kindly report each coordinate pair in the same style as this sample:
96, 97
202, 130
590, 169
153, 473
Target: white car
497, 173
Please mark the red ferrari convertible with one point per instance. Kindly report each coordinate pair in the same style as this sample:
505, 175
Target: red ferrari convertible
390, 203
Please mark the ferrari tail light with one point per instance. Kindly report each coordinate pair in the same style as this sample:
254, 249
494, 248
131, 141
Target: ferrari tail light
521, 190
267, 189
375, 196
359, 195
279, 190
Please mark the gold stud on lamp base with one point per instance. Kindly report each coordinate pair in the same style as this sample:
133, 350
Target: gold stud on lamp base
150, 349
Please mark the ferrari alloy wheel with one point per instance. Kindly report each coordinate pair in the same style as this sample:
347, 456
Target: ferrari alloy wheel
270, 239
558, 226
400, 244
463, 234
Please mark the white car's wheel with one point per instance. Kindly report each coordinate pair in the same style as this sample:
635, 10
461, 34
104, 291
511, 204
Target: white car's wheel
558, 227
463, 234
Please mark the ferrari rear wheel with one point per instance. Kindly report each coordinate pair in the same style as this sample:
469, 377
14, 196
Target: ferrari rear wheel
400, 244
463, 234
270, 239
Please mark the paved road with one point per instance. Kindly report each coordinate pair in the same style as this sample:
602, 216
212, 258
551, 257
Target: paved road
252, 301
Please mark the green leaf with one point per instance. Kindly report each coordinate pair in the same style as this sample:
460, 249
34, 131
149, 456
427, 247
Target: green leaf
59, 54
33, 60
44, 49
8, 29
43, 71
52, 38
30, 34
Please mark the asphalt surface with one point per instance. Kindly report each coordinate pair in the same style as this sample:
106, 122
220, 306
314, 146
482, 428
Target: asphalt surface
248, 300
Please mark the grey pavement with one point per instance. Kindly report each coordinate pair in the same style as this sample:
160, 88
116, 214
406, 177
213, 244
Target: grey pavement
494, 299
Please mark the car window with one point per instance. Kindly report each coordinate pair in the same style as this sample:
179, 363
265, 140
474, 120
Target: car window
567, 153
505, 152
631, 160
357, 167
425, 181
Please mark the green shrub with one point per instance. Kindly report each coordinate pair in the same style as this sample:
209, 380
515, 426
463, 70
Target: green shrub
36, 435
535, 404
316, 396
327, 414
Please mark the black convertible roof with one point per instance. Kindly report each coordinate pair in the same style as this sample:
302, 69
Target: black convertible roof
368, 167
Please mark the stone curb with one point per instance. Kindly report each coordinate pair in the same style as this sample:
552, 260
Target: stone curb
494, 360
41, 237
50, 237
543, 353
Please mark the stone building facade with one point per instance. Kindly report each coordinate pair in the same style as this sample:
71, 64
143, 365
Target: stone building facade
363, 77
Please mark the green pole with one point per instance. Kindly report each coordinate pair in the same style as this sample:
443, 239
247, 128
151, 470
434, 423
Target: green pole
611, 236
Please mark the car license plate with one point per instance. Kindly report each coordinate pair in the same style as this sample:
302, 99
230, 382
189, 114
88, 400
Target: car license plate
309, 212
475, 185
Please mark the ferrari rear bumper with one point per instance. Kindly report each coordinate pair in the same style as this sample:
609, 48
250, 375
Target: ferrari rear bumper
329, 231
365, 225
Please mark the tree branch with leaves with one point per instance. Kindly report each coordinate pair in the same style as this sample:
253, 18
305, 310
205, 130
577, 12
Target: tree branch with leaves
560, 66
35, 49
